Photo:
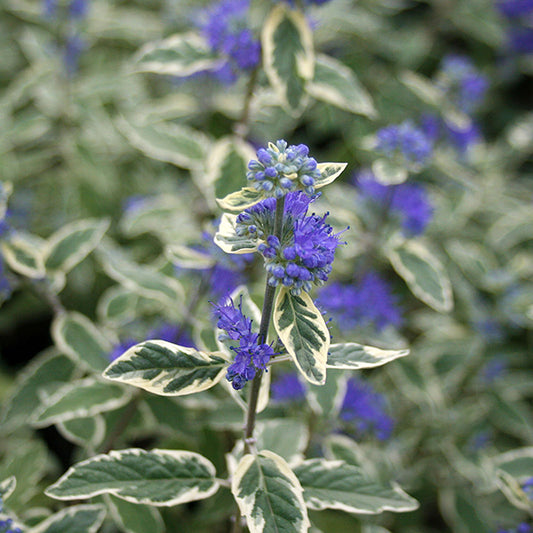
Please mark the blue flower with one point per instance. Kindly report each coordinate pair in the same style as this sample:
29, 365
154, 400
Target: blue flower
74, 46
408, 201
6, 526
225, 28
493, 370
365, 410
171, 333
523, 527
527, 487
288, 388
514, 8
521, 40
405, 142
462, 82
78, 9
120, 348
49, 9
250, 355
367, 303
228, 272
281, 168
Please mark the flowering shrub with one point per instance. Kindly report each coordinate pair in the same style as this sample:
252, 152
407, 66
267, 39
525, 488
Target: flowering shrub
266, 266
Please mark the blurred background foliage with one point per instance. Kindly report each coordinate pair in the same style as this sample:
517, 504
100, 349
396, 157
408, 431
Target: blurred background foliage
88, 134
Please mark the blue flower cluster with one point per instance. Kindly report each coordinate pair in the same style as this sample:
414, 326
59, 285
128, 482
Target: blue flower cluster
369, 302
288, 388
365, 410
305, 253
408, 201
466, 88
6, 526
493, 370
405, 143
281, 168
519, 13
74, 44
228, 272
225, 27
462, 82
250, 355
523, 527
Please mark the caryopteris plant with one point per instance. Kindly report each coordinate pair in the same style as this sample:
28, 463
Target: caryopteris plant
272, 218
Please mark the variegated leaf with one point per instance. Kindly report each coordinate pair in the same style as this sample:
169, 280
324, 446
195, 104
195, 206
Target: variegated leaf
75, 519
353, 356
269, 495
388, 172
227, 239
423, 273
76, 336
7, 487
227, 166
85, 432
338, 485
44, 371
287, 437
23, 257
338, 85
240, 200
117, 305
168, 369
73, 242
186, 257
135, 518
178, 55
82, 398
513, 491
156, 477
326, 399
288, 55
303, 332
517, 462
141, 279
167, 141
329, 172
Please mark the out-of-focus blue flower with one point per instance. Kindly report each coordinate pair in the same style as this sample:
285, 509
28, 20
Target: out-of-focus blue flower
288, 388
462, 82
491, 330
225, 27
5, 286
408, 201
369, 302
523, 527
250, 355
49, 9
78, 9
514, 8
228, 272
171, 333
521, 40
281, 168
406, 142
463, 138
6, 524
479, 441
121, 347
527, 487
366, 410
74, 46
493, 370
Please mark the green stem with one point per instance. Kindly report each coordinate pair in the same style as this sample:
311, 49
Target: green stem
268, 304
242, 127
